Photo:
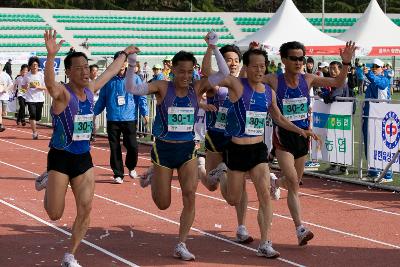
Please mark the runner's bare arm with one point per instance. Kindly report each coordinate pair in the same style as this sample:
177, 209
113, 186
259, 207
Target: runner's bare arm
271, 80
56, 90
283, 122
113, 69
346, 54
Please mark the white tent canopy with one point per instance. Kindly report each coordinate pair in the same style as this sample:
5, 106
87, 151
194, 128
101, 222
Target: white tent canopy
288, 24
375, 33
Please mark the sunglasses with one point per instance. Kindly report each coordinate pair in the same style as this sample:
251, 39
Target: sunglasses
376, 66
294, 58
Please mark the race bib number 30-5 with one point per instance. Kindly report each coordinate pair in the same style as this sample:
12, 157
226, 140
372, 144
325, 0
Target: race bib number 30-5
220, 123
295, 109
83, 126
255, 122
180, 119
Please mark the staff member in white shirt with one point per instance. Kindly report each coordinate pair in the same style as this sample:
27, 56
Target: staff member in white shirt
34, 83
6, 86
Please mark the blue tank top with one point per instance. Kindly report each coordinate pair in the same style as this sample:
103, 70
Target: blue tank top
294, 102
216, 121
247, 116
175, 116
63, 124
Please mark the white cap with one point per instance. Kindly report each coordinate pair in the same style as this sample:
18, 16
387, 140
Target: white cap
324, 64
378, 62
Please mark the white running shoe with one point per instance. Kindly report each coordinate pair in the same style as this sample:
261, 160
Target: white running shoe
265, 250
41, 181
69, 261
242, 235
133, 174
183, 253
145, 180
303, 235
213, 175
118, 180
275, 190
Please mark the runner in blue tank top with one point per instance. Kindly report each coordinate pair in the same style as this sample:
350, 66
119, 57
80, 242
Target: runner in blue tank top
216, 138
69, 160
292, 90
246, 152
174, 147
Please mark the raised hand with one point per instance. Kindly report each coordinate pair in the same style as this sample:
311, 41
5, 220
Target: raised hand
51, 44
211, 39
132, 50
348, 52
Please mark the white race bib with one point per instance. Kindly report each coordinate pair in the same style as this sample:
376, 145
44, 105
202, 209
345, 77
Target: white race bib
83, 126
255, 122
295, 109
121, 100
180, 119
221, 118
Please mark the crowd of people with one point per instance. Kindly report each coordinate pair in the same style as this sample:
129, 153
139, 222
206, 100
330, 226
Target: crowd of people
236, 102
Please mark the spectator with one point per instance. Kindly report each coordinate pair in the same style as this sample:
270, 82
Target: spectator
146, 71
166, 71
93, 70
21, 94
279, 70
360, 77
138, 71
379, 88
157, 73
319, 70
352, 82
35, 86
325, 69
272, 67
121, 119
196, 72
7, 67
310, 65
390, 74
6, 86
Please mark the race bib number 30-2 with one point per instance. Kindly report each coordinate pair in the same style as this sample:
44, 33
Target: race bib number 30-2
295, 109
83, 126
255, 122
220, 123
180, 119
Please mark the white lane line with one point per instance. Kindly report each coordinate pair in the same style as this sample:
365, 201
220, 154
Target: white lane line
289, 218
129, 263
152, 215
301, 193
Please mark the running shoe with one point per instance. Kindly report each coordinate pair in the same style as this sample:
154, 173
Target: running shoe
382, 181
265, 250
133, 174
275, 191
35, 136
145, 180
69, 261
41, 181
118, 180
303, 235
2, 128
242, 235
183, 253
213, 175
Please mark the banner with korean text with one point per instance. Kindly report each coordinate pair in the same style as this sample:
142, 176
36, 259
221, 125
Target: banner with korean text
333, 125
383, 135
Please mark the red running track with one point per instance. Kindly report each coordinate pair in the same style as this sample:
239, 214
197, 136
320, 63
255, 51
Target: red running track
353, 225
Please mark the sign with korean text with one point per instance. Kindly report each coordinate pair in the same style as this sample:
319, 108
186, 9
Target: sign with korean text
334, 127
383, 135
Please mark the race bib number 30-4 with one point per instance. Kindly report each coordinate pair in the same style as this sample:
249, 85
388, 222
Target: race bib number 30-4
221, 118
295, 109
180, 119
83, 126
255, 122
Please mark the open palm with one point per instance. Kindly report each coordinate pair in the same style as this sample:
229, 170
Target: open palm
348, 52
51, 44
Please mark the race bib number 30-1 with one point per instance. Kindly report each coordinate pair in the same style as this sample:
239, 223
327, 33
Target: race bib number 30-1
255, 122
295, 109
83, 126
180, 119
221, 118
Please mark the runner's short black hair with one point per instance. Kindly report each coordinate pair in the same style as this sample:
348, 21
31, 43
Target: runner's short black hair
231, 48
93, 66
24, 66
284, 49
33, 60
70, 56
183, 56
248, 53
339, 64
